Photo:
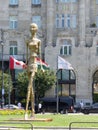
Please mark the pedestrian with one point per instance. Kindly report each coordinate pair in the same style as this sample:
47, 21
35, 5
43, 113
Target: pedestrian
81, 104
39, 107
19, 105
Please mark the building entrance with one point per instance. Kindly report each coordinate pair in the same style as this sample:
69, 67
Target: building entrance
66, 83
95, 87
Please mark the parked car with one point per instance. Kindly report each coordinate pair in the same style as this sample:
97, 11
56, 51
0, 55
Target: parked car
11, 106
90, 109
65, 104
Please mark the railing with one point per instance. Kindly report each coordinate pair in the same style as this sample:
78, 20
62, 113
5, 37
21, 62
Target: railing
15, 126
83, 127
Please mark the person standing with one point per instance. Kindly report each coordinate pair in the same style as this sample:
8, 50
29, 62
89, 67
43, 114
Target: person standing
81, 105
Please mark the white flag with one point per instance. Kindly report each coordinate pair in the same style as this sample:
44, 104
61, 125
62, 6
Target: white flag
63, 64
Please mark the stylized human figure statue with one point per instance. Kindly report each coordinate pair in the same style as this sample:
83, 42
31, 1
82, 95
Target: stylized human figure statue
34, 47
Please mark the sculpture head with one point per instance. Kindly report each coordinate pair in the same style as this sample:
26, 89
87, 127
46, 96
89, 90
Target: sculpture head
33, 28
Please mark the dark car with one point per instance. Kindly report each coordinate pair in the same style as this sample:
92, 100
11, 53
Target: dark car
65, 104
90, 109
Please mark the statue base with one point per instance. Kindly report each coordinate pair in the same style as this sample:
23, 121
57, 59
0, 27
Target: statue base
26, 116
32, 119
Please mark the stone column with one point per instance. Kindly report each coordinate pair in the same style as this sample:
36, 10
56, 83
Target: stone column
82, 22
87, 4
50, 22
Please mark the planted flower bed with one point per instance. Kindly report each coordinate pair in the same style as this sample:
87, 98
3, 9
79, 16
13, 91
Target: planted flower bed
11, 112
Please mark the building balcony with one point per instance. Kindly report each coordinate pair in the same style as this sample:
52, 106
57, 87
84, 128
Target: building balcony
13, 5
36, 5
92, 30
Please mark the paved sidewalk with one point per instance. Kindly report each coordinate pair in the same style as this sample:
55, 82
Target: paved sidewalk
48, 128
62, 128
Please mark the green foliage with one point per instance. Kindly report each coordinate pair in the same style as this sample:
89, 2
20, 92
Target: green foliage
7, 83
93, 25
22, 84
42, 82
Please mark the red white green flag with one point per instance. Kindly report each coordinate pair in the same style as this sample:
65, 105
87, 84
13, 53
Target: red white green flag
15, 64
41, 64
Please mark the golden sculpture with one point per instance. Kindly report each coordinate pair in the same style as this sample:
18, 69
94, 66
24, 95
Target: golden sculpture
34, 47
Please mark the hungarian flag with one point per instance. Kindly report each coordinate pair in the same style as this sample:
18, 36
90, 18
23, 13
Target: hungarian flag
63, 64
41, 64
15, 64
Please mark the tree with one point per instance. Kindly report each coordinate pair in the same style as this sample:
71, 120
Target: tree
43, 81
7, 84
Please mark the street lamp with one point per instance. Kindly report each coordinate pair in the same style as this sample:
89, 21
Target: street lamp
2, 104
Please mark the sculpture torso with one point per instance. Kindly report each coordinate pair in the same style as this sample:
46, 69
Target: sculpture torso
34, 47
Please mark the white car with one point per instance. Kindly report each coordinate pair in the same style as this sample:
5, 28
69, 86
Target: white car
11, 106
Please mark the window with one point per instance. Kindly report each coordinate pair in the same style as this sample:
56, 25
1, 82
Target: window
13, 48
57, 1
73, 0
63, 21
68, 20
36, 1
13, 2
57, 21
73, 21
65, 1
13, 22
96, 1
37, 20
97, 21
66, 48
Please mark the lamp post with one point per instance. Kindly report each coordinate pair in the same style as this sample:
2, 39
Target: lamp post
2, 104
2, 45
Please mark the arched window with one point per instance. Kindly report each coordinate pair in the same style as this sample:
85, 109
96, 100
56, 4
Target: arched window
95, 87
66, 48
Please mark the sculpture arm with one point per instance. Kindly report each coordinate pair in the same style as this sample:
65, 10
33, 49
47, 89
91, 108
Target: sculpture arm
27, 42
40, 56
39, 49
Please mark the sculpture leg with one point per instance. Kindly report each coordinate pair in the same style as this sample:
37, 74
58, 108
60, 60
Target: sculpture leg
32, 94
32, 102
28, 99
28, 93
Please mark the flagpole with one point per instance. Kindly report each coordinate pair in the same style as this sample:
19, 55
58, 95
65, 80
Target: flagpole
57, 97
9, 86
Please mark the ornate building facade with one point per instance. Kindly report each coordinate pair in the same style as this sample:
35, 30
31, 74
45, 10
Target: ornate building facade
67, 28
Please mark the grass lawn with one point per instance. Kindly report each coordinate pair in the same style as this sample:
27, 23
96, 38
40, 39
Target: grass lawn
60, 119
